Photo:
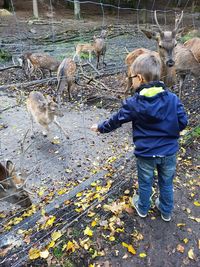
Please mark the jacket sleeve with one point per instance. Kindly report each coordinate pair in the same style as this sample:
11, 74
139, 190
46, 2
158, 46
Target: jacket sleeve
182, 116
125, 114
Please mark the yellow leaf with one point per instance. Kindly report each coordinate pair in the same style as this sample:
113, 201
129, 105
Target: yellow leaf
111, 238
41, 193
56, 235
62, 191
93, 223
70, 246
142, 255
43, 211
50, 221
185, 240
79, 194
196, 203
88, 231
44, 254
129, 247
34, 253
91, 214
91, 265
51, 244
180, 224
191, 254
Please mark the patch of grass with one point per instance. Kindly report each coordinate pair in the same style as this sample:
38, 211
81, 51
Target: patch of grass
192, 135
190, 35
57, 252
5, 55
68, 263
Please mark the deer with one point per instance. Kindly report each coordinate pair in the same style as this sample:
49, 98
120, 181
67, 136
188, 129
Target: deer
44, 110
32, 62
186, 63
84, 48
13, 186
166, 41
66, 75
98, 47
194, 46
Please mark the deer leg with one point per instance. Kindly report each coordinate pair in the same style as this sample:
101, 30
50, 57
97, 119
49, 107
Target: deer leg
69, 91
60, 127
90, 56
97, 62
45, 131
182, 78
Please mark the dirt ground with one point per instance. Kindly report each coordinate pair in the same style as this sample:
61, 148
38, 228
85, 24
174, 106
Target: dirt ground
60, 168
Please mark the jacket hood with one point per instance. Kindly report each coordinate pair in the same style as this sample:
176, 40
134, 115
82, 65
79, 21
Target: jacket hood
151, 102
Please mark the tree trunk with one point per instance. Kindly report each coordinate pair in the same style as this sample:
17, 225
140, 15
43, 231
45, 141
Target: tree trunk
7, 4
35, 9
77, 9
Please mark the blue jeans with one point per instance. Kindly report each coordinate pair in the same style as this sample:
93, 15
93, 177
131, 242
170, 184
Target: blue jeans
166, 167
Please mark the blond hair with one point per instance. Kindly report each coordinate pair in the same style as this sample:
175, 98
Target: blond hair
147, 65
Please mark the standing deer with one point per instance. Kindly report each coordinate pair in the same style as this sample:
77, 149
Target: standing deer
12, 186
32, 62
66, 76
98, 47
166, 41
44, 111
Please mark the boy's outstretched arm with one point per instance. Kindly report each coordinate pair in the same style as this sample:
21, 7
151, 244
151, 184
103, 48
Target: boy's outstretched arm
125, 114
182, 116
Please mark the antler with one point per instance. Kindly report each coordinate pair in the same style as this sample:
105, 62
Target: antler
178, 20
156, 20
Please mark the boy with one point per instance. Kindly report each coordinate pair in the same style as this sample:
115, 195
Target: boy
157, 117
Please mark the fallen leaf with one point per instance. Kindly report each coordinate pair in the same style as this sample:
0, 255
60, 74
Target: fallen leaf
44, 254
181, 224
88, 231
4, 251
199, 243
191, 254
196, 203
185, 240
56, 235
180, 248
142, 255
129, 247
112, 238
34, 253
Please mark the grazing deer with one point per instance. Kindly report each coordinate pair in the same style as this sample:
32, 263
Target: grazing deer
66, 76
44, 111
84, 48
98, 47
33, 62
166, 41
12, 186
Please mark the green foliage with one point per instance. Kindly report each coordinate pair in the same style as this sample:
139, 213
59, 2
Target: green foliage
68, 263
191, 136
190, 35
5, 55
57, 252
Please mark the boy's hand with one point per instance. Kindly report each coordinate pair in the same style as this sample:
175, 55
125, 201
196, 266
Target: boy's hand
94, 128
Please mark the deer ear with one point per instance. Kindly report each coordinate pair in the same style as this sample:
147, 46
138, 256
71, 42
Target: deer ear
10, 166
94, 37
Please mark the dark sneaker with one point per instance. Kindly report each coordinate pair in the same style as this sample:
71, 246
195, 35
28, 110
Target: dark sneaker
134, 202
166, 218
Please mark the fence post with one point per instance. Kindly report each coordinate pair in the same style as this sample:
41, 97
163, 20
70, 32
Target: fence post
35, 9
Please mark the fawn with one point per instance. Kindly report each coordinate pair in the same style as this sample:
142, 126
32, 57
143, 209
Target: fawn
44, 111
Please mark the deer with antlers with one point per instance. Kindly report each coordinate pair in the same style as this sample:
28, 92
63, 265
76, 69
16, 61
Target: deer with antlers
13, 186
166, 41
44, 110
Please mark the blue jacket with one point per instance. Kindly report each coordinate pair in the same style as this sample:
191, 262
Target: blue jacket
157, 117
